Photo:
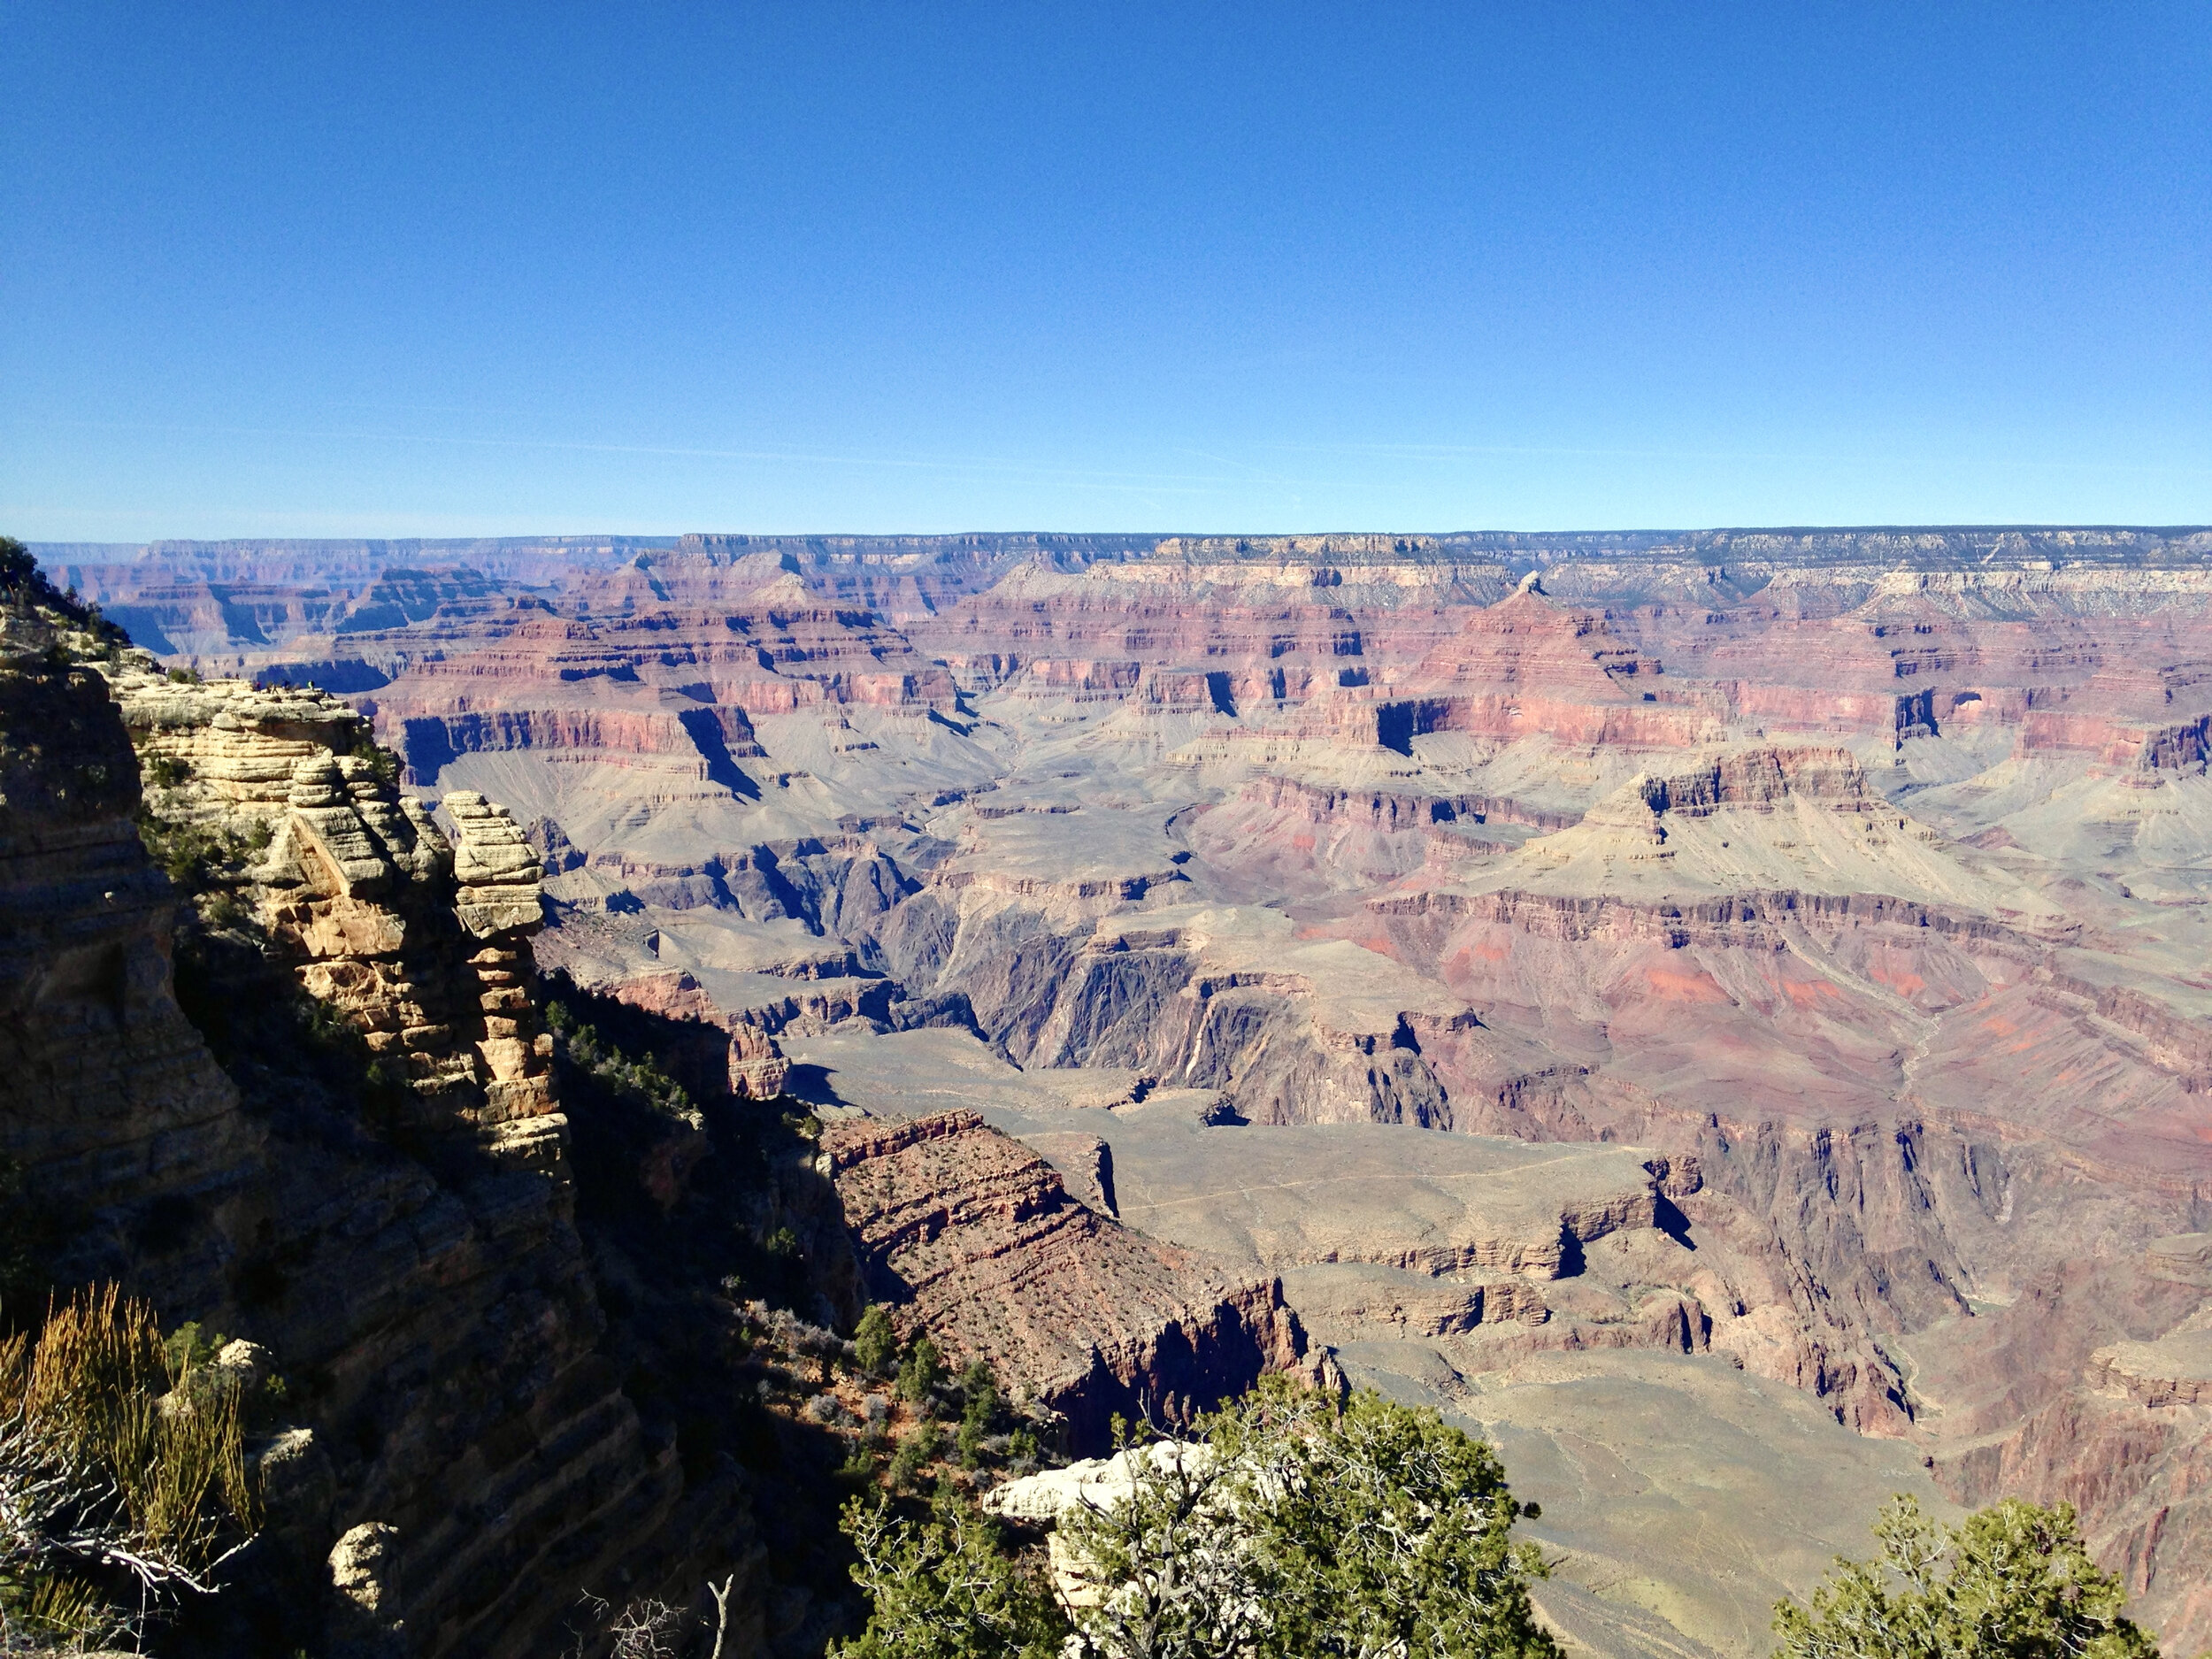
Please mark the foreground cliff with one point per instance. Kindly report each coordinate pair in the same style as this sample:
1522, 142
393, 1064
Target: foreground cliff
320, 1113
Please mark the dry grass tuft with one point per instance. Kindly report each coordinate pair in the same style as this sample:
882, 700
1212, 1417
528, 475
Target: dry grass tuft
117, 1473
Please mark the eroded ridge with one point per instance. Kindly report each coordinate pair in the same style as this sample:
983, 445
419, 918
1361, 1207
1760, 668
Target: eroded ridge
973, 1237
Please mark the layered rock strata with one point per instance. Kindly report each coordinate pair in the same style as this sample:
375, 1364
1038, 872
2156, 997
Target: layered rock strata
401, 1241
421, 944
113, 1106
2091, 1388
1862, 867
971, 1237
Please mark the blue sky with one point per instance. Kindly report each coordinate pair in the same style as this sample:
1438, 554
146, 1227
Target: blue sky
465, 269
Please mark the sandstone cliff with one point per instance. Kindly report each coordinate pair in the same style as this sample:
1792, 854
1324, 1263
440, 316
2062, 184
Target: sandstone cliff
350, 1152
969, 1235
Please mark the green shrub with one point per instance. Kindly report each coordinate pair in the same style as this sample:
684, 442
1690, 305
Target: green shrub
383, 765
2014, 1582
196, 857
23, 583
916, 1451
874, 1341
638, 1081
19, 571
1310, 1528
969, 1443
1299, 1527
978, 1394
860, 1461
186, 1350
946, 1588
979, 1409
919, 1372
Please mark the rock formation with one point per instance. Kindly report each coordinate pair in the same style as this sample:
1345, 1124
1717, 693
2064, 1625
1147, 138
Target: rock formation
1853, 878
392, 1220
971, 1236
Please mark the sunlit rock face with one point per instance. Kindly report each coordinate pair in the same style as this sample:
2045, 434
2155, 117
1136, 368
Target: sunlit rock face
974, 1237
1729, 1002
332, 1124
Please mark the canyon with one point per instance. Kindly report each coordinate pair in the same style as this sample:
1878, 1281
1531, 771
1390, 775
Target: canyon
1725, 1016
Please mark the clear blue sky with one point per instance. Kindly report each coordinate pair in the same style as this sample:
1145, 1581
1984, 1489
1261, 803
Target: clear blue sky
466, 269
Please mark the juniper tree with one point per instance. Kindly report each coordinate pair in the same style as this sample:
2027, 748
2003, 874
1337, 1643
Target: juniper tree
1294, 1526
1380, 1530
946, 1588
2014, 1582
919, 1373
874, 1341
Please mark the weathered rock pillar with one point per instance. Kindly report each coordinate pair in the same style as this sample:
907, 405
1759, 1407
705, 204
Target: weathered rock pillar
500, 904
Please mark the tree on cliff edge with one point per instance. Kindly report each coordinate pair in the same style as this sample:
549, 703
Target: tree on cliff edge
1295, 1527
944, 1587
2014, 1582
23, 583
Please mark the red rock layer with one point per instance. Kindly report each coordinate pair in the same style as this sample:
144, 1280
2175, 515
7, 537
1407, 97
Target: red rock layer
968, 1233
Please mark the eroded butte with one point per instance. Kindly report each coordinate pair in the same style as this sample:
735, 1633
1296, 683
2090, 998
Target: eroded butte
1727, 1016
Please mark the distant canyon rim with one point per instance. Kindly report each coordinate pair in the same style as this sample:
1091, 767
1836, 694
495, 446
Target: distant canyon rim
1726, 1016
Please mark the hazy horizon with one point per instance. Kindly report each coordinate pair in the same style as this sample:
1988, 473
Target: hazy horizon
1106, 533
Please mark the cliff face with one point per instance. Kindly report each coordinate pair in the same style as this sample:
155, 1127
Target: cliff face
2095, 1388
356, 1158
112, 1098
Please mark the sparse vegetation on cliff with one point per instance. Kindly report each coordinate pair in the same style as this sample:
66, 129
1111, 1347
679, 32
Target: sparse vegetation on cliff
1295, 1524
946, 1586
122, 1475
637, 1080
23, 584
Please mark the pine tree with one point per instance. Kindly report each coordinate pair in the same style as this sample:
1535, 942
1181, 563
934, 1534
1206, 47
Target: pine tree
874, 1341
2014, 1582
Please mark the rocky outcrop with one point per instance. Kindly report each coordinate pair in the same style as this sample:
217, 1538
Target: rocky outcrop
1353, 1302
109, 1100
1393, 811
2174, 1370
969, 1235
1760, 778
418, 943
364, 1170
1215, 997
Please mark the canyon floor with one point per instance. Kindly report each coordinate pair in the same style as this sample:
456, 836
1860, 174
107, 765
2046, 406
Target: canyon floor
1726, 1017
